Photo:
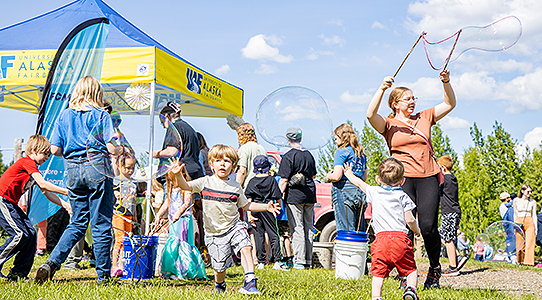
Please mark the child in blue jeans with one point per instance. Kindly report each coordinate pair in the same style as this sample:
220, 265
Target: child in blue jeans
90, 192
15, 181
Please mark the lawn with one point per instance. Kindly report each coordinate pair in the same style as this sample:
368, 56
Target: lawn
297, 284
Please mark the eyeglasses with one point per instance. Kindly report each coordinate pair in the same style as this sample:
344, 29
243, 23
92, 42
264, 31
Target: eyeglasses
415, 99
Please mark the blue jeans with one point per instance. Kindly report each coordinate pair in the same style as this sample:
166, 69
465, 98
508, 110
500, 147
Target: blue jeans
91, 197
349, 206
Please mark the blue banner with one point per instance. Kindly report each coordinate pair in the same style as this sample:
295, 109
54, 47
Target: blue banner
80, 54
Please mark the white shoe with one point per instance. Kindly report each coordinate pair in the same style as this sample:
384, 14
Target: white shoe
280, 266
260, 266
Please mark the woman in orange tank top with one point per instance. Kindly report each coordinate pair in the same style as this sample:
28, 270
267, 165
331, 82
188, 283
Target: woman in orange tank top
409, 139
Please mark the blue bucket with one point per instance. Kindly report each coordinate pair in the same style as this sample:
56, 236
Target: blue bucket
145, 248
352, 236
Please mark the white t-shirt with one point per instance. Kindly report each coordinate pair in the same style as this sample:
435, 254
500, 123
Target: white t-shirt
220, 200
247, 152
389, 205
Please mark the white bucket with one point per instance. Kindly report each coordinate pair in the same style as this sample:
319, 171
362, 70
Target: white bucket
350, 259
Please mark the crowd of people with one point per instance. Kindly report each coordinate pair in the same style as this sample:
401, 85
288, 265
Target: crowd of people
220, 204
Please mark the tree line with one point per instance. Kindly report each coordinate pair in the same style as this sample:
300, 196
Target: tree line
490, 166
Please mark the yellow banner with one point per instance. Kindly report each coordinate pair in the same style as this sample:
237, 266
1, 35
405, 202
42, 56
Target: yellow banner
121, 65
194, 82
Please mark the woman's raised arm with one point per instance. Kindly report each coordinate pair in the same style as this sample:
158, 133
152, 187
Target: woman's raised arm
445, 107
377, 121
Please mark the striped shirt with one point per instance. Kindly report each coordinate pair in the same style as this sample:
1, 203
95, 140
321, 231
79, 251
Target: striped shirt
221, 200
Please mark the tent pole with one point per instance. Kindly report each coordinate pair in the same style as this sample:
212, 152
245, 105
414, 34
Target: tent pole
151, 171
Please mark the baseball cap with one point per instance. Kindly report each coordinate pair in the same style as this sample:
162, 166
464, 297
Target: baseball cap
261, 164
504, 196
294, 134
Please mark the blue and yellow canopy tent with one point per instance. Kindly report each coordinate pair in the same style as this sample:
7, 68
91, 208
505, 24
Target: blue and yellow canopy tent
132, 60
27, 50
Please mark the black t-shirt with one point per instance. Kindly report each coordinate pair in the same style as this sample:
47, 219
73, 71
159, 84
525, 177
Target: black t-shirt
449, 199
299, 161
190, 146
263, 189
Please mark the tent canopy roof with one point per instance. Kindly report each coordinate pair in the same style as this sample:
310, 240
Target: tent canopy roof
28, 37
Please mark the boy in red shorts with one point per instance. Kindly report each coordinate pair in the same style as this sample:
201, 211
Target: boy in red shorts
392, 211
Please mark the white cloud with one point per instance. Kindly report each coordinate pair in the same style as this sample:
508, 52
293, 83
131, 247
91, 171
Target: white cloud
532, 139
348, 98
223, 70
333, 41
266, 69
337, 22
442, 18
315, 54
261, 47
378, 25
523, 92
454, 123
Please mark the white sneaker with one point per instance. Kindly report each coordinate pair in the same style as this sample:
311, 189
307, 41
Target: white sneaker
280, 266
260, 266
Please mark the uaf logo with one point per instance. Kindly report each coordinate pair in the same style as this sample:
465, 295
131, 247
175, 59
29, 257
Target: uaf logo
6, 61
194, 80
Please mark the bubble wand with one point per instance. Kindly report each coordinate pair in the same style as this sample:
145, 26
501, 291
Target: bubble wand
408, 54
453, 47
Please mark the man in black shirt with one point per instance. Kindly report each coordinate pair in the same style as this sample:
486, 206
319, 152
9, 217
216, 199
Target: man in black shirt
189, 138
297, 170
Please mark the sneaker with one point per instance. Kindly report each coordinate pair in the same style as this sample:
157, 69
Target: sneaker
433, 278
40, 252
299, 266
71, 267
280, 266
451, 271
402, 282
219, 288
46, 272
250, 288
260, 266
410, 294
461, 261
15, 276
116, 273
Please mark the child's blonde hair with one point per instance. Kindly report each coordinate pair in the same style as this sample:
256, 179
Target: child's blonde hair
38, 144
391, 172
349, 137
87, 91
171, 181
157, 186
446, 161
218, 151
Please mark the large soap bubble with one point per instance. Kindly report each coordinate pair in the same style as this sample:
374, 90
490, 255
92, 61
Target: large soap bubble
294, 106
501, 236
131, 136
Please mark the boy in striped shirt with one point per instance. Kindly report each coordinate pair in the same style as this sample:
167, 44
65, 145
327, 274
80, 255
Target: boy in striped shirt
225, 233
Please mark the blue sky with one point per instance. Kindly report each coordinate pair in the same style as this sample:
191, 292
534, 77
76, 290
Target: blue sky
340, 49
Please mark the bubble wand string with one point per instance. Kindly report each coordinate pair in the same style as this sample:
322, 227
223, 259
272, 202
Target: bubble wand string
408, 54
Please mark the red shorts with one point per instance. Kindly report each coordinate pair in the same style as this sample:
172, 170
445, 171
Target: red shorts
392, 249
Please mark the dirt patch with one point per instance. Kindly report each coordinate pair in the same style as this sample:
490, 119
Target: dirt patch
519, 282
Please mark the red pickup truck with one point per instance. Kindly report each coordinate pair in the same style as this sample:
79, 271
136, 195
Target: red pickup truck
324, 218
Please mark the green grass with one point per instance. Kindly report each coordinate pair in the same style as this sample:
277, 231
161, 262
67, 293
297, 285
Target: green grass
318, 284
